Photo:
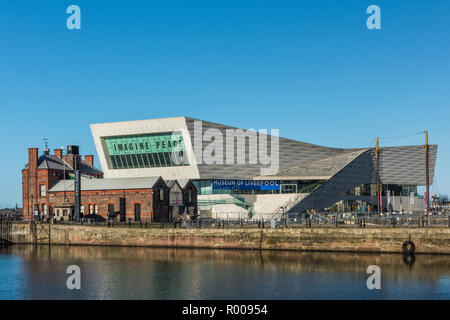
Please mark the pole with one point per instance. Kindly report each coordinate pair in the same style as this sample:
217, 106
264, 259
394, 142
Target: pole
377, 152
427, 174
64, 173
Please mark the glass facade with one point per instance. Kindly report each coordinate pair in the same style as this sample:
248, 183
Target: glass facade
145, 150
285, 186
371, 190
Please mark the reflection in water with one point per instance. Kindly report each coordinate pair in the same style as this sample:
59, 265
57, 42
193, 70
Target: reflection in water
39, 272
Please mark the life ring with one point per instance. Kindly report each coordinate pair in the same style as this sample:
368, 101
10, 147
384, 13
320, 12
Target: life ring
409, 259
409, 247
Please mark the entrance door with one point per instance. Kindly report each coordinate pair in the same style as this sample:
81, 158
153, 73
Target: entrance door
288, 188
111, 211
137, 212
122, 211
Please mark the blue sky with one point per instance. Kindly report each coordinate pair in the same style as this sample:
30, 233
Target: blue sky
310, 68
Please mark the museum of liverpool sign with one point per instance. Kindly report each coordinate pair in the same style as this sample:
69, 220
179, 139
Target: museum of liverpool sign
246, 184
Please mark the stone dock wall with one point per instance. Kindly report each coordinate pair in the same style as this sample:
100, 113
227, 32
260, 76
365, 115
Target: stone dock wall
427, 240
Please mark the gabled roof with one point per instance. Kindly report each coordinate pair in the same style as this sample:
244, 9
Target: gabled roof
181, 182
171, 182
107, 184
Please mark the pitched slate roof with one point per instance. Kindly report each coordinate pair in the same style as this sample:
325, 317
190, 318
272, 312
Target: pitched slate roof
53, 162
107, 184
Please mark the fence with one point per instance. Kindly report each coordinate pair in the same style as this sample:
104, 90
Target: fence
301, 221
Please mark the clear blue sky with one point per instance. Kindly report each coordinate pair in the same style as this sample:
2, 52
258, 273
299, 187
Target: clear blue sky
310, 68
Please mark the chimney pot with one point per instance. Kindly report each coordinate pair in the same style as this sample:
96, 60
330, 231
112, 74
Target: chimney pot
89, 159
58, 153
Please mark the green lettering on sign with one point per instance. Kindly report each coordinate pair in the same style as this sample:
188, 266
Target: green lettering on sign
146, 150
145, 143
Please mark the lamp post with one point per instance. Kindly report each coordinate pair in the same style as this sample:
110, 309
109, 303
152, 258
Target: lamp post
64, 173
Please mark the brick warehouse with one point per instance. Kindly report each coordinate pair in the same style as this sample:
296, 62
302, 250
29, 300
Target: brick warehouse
48, 191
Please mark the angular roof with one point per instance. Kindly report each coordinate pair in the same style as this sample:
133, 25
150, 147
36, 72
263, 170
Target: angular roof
107, 184
317, 170
55, 163
291, 153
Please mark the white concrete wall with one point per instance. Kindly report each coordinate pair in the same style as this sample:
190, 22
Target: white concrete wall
268, 203
230, 211
142, 127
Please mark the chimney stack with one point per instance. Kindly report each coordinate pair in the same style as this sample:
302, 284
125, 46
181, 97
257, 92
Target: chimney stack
32, 159
72, 157
89, 159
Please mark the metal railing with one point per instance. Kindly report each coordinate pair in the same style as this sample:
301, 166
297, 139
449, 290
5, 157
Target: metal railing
300, 221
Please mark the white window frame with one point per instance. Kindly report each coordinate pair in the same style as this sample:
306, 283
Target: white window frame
42, 190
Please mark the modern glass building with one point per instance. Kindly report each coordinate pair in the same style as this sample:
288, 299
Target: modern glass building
221, 161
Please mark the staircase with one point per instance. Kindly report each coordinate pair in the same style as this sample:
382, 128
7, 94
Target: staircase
288, 205
209, 200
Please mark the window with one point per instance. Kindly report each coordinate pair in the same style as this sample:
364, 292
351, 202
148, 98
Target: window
145, 150
137, 212
82, 209
161, 194
190, 196
96, 209
91, 209
44, 210
43, 190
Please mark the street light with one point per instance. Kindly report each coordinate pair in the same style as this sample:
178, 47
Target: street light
64, 173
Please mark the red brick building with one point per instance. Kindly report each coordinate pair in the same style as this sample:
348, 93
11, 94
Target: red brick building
138, 199
42, 172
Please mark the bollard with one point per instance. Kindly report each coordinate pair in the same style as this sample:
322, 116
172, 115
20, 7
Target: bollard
141, 223
129, 223
263, 223
394, 222
364, 222
146, 224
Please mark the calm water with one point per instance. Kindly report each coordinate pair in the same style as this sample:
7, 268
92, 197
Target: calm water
29, 272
